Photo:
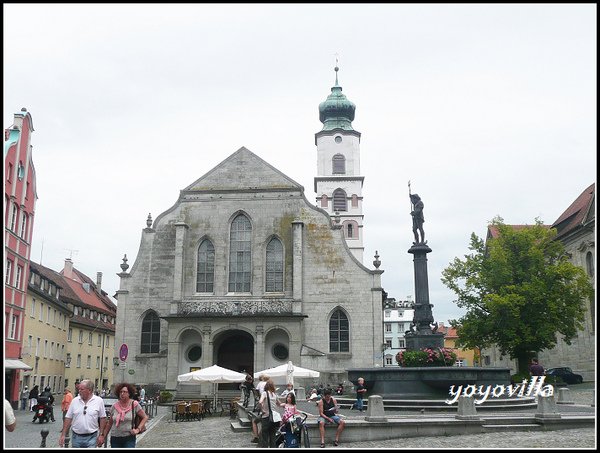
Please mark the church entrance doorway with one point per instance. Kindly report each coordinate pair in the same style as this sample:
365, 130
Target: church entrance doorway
234, 349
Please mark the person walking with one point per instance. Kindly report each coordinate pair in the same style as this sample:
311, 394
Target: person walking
49, 398
360, 392
327, 414
33, 396
24, 398
122, 415
87, 416
66, 402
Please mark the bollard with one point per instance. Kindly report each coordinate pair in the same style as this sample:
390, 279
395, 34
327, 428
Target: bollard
564, 396
44, 434
466, 408
546, 408
375, 409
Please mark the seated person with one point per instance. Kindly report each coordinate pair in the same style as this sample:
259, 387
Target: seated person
288, 389
328, 414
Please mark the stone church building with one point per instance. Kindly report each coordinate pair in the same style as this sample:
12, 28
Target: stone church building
244, 272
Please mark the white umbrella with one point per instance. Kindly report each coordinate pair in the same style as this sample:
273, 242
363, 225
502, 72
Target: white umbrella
214, 374
283, 370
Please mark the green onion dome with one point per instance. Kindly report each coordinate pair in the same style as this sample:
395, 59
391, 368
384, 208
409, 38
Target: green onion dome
336, 112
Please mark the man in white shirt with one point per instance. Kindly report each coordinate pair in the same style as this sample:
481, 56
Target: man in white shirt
86, 415
10, 422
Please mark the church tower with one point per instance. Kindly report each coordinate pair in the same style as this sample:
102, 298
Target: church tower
338, 183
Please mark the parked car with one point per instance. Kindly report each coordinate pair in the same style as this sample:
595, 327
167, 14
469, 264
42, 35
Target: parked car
566, 374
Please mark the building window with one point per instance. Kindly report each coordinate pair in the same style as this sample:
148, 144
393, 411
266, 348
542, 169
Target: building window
8, 272
280, 351
401, 344
339, 332
324, 201
51, 350
70, 335
49, 313
274, 266
13, 220
194, 353
99, 340
9, 173
42, 312
388, 327
78, 360
339, 164
21, 171
89, 361
23, 226
388, 343
90, 338
355, 201
107, 341
45, 349
350, 230
205, 276
240, 255
150, 333
589, 261
388, 360
80, 336
12, 334
97, 362
37, 347
460, 362
68, 360
19, 275
339, 200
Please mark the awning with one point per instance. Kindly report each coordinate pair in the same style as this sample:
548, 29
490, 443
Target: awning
14, 364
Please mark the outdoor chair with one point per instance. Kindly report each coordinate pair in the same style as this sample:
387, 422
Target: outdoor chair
181, 412
194, 411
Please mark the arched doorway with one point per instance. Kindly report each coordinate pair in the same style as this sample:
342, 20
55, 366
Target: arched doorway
234, 349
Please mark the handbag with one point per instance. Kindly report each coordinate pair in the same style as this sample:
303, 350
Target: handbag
274, 416
136, 419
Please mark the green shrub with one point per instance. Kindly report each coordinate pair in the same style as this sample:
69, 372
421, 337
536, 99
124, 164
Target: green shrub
165, 396
519, 378
426, 357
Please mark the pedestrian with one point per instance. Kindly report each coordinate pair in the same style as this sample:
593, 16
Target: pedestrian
33, 396
260, 387
87, 416
142, 394
122, 414
247, 387
289, 388
535, 369
270, 418
10, 422
66, 402
360, 393
327, 414
24, 398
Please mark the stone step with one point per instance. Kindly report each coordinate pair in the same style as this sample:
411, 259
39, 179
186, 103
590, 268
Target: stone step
236, 427
517, 427
244, 421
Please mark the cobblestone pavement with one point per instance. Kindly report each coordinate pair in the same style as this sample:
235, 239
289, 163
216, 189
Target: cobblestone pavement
215, 433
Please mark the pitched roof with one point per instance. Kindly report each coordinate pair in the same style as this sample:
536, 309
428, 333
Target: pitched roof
93, 298
66, 293
577, 214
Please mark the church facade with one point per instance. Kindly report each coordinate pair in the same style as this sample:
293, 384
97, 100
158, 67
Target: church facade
244, 272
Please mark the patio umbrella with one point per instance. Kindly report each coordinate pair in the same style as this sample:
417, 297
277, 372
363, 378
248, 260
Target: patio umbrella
214, 374
289, 371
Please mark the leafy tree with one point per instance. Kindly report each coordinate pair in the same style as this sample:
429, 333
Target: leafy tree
519, 290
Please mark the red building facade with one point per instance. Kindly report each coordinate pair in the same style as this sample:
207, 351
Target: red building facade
19, 208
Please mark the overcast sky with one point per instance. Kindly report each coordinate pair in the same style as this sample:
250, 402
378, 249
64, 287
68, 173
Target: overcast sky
487, 109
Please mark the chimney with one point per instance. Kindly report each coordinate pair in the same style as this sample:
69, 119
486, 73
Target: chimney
99, 282
68, 270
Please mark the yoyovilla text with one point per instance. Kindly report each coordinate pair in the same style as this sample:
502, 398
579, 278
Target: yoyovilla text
534, 388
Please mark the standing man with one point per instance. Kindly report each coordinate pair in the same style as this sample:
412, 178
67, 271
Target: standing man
142, 393
24, 398
535, 369
418, 218
86, 415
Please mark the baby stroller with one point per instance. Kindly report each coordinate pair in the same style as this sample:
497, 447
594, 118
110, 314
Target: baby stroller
293, 434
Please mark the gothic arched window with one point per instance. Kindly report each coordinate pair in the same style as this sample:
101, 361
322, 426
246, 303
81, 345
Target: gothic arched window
274, 266
205, 276
339, 332
339, 200
150, 333
339, 164
240, 255
589, 261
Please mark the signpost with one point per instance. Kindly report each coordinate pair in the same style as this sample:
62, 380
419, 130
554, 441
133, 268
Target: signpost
123, 352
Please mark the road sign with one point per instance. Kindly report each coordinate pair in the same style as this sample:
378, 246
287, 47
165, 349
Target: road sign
123, 365
123, 352
131, 371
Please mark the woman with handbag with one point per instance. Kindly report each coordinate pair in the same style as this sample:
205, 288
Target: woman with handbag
270, 418
128, 417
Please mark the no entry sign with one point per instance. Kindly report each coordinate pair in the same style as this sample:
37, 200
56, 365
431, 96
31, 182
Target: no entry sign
123, 352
